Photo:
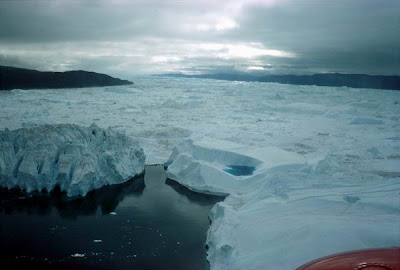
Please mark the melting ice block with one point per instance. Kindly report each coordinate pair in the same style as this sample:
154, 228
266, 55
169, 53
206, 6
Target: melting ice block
77, 159
204, 168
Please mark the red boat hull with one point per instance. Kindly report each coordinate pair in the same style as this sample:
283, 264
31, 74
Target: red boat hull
368, 259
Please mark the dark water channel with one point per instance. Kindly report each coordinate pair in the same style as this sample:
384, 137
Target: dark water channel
147, 223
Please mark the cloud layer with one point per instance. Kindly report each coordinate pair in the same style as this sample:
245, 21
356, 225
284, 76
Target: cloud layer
147, 37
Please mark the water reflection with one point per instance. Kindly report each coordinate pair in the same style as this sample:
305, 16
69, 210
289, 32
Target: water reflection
106, 198
201, 199
157, 224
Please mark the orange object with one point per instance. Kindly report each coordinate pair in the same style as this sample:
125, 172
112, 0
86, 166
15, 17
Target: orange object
367, 259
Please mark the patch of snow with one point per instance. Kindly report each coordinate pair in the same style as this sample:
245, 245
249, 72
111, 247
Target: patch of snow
77, 159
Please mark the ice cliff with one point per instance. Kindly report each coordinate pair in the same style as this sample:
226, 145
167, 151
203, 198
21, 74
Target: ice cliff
77, 159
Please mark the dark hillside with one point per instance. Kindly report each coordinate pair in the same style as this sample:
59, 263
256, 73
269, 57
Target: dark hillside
18, 78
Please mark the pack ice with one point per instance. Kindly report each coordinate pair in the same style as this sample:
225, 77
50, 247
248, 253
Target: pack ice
77, 159
285, 211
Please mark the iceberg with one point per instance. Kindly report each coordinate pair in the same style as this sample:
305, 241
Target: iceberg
76, 159
278, 227
285, 211
204, 168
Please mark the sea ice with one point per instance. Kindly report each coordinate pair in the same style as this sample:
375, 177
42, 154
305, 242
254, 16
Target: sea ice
78, 255
366, 121
77, 159
315, 150
284, 205
295, 218
204, 169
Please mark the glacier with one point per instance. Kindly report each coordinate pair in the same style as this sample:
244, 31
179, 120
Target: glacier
77, 159
324, 161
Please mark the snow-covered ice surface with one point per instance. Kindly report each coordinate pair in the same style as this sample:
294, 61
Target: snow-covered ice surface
324, 161
207, 169
285, 205
77, 159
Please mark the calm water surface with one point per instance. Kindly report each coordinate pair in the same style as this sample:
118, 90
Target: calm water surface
147, 223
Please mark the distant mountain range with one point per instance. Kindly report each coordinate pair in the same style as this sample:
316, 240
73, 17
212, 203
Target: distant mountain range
328, 79
19, 78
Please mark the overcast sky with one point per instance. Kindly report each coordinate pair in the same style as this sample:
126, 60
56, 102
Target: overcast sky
202, 36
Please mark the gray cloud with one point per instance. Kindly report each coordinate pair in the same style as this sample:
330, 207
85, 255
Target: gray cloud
346, 36
144, 37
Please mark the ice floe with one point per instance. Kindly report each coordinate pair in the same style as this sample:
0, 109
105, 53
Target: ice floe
366, 121
202, 168
284, 224
78, 255
287, 211
77, 159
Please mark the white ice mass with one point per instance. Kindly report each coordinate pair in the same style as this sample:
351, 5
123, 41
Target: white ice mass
321, 164
77, 159
204, 168
288, 211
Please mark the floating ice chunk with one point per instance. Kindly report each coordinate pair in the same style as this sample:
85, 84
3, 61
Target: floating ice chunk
119, 90
205, 169
374, 151
97, 241
78, 255
196, 175
366, 121
388, 168
389, 165
327, 165
77, 159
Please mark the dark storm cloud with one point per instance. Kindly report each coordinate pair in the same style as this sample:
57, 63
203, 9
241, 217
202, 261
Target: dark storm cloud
46, 21
354, 36
127, 37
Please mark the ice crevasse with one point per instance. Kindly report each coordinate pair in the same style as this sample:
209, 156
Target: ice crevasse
283, 211
77, 159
